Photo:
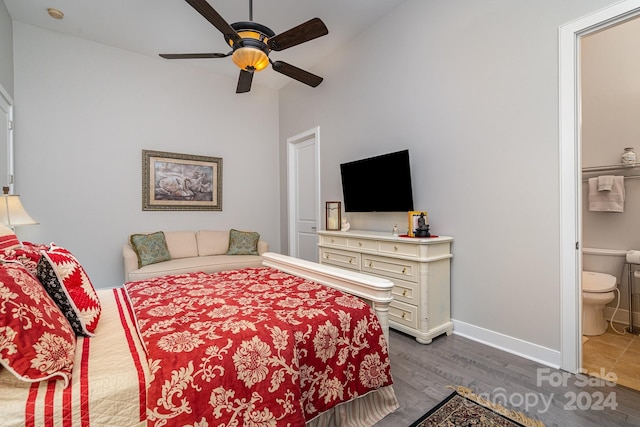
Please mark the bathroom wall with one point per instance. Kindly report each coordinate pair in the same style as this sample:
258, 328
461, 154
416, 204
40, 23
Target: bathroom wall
610, 78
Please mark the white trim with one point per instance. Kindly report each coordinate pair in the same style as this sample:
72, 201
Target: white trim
622, 316
570, 197
6, 106
527, 350
313, 133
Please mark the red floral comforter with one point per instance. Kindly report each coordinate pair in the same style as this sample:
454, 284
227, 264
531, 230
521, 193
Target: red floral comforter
254, 347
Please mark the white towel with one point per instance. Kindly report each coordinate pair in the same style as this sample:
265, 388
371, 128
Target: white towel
605, 183
607, 201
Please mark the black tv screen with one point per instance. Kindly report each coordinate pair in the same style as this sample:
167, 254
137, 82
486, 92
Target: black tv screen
378, 184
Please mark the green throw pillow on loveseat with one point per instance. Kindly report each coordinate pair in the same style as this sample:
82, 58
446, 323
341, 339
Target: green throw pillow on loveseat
243, 242
150, 248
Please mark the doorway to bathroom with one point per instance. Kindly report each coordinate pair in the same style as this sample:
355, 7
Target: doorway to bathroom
579, 130
609, 74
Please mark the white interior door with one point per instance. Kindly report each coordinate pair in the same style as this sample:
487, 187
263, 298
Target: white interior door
304, 194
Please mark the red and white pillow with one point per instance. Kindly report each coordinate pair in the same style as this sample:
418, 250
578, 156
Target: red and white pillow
28, 254
8, 239
36, 340
68, 284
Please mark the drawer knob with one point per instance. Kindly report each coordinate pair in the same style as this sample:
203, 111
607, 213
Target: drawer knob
404, 270
332, 240
326, 256
359, 243
404, 292
370, 264
404, 314
350, 260
395, 248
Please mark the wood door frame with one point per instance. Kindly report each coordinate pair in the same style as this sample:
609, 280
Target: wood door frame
292, 201
570, 174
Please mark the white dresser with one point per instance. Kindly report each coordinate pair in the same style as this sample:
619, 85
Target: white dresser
418, 267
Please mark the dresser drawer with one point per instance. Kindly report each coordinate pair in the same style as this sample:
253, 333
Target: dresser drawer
344, 259
404, 314
405, 291
333, 240
360, 244
390, 267
397, 248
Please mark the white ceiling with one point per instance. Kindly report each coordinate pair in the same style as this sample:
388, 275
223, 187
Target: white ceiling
151, 27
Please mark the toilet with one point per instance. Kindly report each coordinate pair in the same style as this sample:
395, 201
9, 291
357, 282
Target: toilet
597, 292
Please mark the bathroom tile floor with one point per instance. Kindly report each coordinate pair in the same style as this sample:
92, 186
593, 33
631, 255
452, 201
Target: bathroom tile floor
613, 353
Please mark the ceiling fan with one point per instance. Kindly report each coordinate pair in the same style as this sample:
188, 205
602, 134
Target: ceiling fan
251, 43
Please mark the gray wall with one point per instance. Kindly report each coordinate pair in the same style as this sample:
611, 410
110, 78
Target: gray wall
84, 113
471, 89
6, 49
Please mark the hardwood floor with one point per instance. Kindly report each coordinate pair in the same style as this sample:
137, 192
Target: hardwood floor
422, 373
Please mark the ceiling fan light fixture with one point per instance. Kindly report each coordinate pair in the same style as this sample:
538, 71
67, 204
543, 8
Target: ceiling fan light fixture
250, 35
252, 42
252, 54
250, 59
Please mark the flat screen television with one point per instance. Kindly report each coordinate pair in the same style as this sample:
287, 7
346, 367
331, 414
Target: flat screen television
378, 184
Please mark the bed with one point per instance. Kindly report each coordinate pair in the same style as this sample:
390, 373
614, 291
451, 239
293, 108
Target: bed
284, 344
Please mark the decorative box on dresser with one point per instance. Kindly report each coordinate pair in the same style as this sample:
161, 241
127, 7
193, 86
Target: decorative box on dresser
418, 267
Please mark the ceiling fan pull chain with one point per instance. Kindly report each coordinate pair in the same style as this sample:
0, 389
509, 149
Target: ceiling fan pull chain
250, 10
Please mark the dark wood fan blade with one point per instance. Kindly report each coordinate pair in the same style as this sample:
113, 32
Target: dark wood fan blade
244, 81
297, 73
210, 14
193, 55
310, 30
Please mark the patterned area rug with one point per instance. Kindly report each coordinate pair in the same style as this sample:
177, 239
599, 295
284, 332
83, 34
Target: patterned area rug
465, 408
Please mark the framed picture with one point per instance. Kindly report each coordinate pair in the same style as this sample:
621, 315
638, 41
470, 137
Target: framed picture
415, 219
181, 182
333, 220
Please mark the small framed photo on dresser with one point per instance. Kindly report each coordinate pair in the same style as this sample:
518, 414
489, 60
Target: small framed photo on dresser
416, 219
333, 215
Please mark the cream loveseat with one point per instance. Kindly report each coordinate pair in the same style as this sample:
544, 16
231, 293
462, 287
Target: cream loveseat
191, 251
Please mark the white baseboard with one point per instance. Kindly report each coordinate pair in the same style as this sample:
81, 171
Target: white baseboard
534, 352
622, 316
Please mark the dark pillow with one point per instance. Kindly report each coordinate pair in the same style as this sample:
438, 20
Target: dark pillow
150, 248
69, 286
243, 242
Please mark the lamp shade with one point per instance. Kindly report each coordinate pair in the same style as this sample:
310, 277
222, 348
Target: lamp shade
12, 212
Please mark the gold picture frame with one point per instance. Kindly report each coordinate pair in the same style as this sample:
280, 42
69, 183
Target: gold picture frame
333, 216
181, 182
413, 221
